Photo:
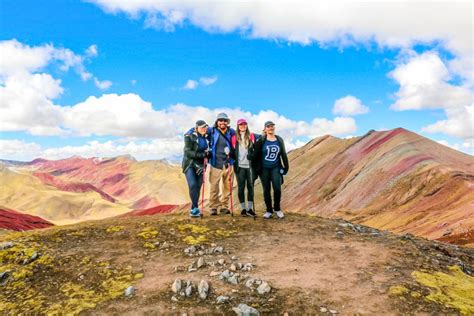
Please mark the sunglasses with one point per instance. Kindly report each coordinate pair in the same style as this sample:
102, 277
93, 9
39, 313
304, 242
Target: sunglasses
222, 120
270, 126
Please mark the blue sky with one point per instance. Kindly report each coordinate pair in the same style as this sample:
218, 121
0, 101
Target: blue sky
142, 57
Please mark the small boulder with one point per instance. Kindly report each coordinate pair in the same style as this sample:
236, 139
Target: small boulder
264, 288
245, 310
176, 286
222, 299
129, 291
203, 289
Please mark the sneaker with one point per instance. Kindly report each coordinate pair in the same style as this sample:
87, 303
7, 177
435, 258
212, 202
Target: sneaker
280, 214
250, 212
243, 212
195, 212
213, 211
225, 211
267, 215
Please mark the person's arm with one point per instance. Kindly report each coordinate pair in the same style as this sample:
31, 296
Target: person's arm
284, 156
189, 150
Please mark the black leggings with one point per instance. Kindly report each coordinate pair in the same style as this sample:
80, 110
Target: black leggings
271, 178
245, 179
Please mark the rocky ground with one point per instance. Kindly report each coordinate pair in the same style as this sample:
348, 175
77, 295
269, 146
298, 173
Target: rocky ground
231, 265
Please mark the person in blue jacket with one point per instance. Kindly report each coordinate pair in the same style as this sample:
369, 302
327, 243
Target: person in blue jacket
196, 149
221, 161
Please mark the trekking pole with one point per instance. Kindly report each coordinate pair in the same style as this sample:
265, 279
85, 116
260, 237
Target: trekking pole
231, 182
203, 187
253, 196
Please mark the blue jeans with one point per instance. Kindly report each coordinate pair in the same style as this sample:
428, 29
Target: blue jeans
194, 185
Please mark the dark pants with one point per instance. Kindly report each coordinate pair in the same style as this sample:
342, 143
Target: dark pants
194, 185
271, 178
244, 179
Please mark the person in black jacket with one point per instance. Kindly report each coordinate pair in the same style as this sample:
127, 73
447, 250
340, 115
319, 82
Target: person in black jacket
270, 162
196, 150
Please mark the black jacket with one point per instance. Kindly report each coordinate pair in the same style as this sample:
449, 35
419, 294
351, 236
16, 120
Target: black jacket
192, 155
255, 155
236, 149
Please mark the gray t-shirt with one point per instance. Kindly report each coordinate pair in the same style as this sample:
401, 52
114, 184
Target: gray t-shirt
221, 157
243, 151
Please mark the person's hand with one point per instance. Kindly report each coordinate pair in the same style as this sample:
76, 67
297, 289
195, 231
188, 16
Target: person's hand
199, 170
283, 172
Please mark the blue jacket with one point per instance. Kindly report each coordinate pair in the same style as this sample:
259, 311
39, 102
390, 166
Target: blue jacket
212, 137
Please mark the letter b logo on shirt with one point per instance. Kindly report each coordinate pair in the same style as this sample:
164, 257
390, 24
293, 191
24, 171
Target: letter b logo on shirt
272, 152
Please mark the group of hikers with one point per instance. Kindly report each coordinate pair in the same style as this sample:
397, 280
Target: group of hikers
247, 155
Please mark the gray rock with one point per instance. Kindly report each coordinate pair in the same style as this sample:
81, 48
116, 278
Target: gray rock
222, 299
4, 277
6, 245
247, 267
203, 289
225, 275
219, 249
239, 266
201, 253
189, 290
233, 279
221, 262
250, 282
339, 234
165, 245
323, 310
33, 257
129, 291
176, 286
264, 288
245, 310
200, 263
174, 298
234, 258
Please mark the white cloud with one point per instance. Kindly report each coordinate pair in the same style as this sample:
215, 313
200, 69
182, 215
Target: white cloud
207, 81
92, 51
190, 85
27, 95
18, 150
467, 147
349, 106
424, 81
341, 23
459, 123
102, 85
155, 149
193, 84
424, 84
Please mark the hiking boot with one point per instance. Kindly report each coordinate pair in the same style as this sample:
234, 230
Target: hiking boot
267, 215
243, 212
280, 214
214, 211
225, 211
250, 212
195, 212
